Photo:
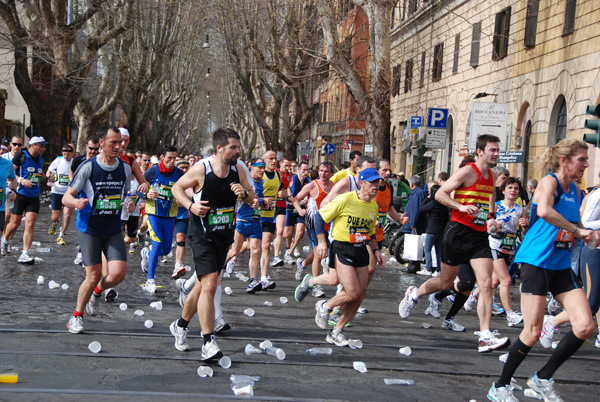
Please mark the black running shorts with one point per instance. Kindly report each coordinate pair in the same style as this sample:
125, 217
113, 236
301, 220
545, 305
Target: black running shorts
350, 254
25, 204
92, 247
207, 257
462, 244
538, 281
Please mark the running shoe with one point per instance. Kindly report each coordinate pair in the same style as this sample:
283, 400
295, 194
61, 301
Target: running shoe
150, 286
362, 310
436, 274
544, 387
407, 303
514, 318
296, 252
334, 317
267, 284
92, 306
547, 333
52, 228
303, 288
452, 325
277, 262
230, 265
450, 298
502, 394
317, 291
424, 272
132, 247
492, 343
110, 295
183, 292
497, 310
210, 350
61, 240
434, 307
178, 271
597, 343
337, 338
75, 324
140, 239
471, 301
221, 325
288, 259
322, 315
4, 248
78, 258
25, 258
164, 259
144, 263
300, 268
254, 286
180, 334
553, 306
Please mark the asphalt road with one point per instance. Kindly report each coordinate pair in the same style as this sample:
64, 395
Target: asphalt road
138, 363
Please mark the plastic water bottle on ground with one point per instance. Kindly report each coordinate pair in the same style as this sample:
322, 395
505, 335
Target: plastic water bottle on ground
43, 249
242, 377
277, 352
397, 381
36, 243
319, 351
95, 347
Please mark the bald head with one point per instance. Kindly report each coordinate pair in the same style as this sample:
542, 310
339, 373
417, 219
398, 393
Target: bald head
270, 158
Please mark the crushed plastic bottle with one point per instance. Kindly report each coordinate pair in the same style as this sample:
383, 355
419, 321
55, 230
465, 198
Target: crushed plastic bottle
36, 243
355, 343
43, 249
397, 381
242, 377
319, 351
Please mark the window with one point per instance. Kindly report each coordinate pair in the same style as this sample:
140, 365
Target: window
396, 80
570, 17
531, 22
422, 78
438, 58
561, 122
475, 41
408, 76
456, 54
501, 32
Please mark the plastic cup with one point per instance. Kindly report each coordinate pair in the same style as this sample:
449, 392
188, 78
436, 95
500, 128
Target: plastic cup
355, 343
123, 306
252, 350
225, 362
148, 324
242, 390
9, 378
283, 299
188, 268
64, 286
425, 325
95, 347
503, 357
40, 280
406, 351
205, 371
268, 303
265, 344
139, 313
249, 312
157, 305
228, 290
361, 367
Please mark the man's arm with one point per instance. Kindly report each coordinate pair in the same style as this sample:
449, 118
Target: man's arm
341, 187
139, 176
246, 192
193, 179
305, 192
454, 182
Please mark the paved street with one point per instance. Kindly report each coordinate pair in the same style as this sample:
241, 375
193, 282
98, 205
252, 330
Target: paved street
137, 363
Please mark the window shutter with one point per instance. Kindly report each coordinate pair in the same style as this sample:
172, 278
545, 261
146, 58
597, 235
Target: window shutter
531, 22
456, 54
475, 43
570, 17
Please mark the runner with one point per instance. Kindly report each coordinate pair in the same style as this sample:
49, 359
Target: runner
58, 177
97, 189
351, 171
285, 176
217, 185
272, 184
161, 210
354, 217
293, 219
7, 173
546, 266
16, 144
182, 221
29, 167
465, 237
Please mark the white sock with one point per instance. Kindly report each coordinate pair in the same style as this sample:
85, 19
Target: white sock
485, 333
190, 282
263, 278
413, 295
217, 302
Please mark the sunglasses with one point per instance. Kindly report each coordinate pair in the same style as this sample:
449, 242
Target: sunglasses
67, 150
146, 160
93, 149
17, 144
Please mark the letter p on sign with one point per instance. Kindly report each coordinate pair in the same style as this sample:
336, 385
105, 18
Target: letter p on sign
437, 118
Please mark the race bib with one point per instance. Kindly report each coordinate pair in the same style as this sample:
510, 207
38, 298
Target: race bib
564, 240
164, 193
63, 179
509, 242
256, 213
221, 218
359, 235
381, 219
484, 212
109, 205
35, 179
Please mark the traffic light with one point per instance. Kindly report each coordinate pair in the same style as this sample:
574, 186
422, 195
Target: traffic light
593, 124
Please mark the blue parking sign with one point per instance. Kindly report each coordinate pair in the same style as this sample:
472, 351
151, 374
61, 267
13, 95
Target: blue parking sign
437, 118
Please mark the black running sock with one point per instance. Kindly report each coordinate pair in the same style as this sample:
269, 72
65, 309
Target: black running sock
208, 337
439, 296
567, 346
516, 355
181, 323
459, 301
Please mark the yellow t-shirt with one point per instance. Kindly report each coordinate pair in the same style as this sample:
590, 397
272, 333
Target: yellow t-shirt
354, 220
270, 189
341, 174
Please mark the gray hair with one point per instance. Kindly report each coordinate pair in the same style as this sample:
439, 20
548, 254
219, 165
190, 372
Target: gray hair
501, 170
416, 180
533, 183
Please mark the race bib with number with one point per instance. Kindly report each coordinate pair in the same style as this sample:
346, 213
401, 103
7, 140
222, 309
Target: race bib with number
164, 193
482, 217
564, 240
381, 219
110, 205
256, 213
63, 179
359, 235
509, 242
35, 179
221, 218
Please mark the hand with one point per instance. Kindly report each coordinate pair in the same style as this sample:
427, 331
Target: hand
81, 203
26, 183
493, 226
152, 195
12, 196
302, 212
379, 258
144, 187
268, 203
130, 207
469, 209
404, 220
200, 208
321, 250
238, 190
255, 204
51, 179
523, 222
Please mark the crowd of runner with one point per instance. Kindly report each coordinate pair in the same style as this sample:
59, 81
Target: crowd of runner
480, 224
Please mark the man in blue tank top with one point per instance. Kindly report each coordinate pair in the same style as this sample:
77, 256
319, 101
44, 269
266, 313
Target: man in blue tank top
28, 169
217, 185
97, 190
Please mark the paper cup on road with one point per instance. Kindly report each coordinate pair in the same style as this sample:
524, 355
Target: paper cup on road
283, 299
139, 313
205, 371
228, 290
40, 280
503, 357
123, 306
157, 305
225, 362
406, 351
361, 367
249, 312
148, 324
306, 249
95, 347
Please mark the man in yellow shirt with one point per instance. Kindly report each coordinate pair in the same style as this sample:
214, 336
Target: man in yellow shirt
351, 171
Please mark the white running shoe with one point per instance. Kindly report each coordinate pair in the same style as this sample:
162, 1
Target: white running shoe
502, 394
75, 324
92, 305
491, 342
436, 274
78, 258
544, 387
514, 318
452, 325
210, 350
434, 306
178, 271
183, 292
230, 265
317, 291
424, 272
407, 303
132, 247
144, 263
288, 259
322, 316
337, 338
221, 325
25, 258
277, 262
597, 343
471, 301
180, 334
150, 286
548, 330
300, 268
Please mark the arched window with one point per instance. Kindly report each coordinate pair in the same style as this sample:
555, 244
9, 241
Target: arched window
557, 129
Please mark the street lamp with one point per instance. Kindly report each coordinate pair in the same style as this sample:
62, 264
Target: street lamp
483, 95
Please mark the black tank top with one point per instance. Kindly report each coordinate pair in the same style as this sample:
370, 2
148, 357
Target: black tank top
218, 225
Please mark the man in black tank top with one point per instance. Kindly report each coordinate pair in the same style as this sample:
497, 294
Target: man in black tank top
216, 185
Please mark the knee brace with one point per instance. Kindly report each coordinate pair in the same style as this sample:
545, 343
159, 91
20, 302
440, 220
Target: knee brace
465, 286
180, 243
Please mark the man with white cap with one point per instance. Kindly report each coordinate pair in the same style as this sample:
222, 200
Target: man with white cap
28, 169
